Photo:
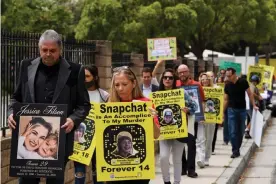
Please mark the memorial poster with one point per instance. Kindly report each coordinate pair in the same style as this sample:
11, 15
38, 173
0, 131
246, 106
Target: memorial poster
125, 143
193, 92
213, 110
85, 139
172, 119
38, 142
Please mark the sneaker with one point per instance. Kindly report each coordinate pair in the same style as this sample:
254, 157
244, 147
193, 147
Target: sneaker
206, 162
200, 164
213, 153
235, 155
192, 174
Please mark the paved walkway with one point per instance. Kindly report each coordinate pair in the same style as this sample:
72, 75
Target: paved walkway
262, 167
221, 168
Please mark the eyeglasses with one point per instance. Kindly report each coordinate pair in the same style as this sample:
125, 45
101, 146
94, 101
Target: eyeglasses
120, 68
168, 77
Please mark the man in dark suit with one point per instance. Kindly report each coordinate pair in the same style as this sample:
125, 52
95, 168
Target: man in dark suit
50, 79
147, 87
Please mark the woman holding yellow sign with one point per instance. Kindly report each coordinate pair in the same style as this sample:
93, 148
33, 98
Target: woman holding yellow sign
206, 131
125, 88
168, 82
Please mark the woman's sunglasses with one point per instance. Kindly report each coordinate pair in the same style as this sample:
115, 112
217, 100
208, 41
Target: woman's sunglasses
168, 77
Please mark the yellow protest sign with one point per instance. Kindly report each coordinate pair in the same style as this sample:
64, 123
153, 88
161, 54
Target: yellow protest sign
213, 111
221, 85
124, 141
268, 75
171, 118
84, 140
258, 71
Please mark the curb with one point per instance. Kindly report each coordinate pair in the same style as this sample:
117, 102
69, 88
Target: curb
236, 167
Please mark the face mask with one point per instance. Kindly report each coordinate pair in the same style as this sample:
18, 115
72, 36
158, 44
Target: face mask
89, 84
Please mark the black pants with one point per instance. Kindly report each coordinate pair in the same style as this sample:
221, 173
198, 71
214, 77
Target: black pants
189, 163
215, 138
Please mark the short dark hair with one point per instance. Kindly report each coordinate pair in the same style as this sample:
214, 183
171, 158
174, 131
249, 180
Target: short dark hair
93, 69
161, 84
221, 70
147, 70
232, 70
39, 121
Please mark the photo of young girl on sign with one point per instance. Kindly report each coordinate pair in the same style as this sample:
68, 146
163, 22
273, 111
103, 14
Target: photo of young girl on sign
38, 138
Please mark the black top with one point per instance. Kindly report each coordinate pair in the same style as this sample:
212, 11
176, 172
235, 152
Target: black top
236, 93
45, 83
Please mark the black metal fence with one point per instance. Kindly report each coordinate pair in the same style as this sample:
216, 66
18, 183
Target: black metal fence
16, 46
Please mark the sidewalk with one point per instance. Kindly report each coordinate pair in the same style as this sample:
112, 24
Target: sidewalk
222, 169
262, 166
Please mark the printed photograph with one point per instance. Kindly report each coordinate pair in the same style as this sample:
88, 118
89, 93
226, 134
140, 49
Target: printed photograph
212, 106
124, 145
193, 94
124, 142
169, 115
38, 137
267, 74
84, 134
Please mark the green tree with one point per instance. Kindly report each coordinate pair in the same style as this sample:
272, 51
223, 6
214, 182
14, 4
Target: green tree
37, 15
197, 24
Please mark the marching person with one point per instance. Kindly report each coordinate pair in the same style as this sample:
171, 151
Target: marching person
189, 164
254, 81
147, 85
50, 79
176, 146
205, 132
125, 88
234, 99
98, 95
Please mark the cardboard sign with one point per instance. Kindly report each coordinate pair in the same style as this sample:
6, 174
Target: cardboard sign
267, 77
162, 48
227, 64
38, 142
124, 141
171, 118
256, 70
213, 111
85, 139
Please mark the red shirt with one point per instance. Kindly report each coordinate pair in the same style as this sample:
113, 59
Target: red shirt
192, 83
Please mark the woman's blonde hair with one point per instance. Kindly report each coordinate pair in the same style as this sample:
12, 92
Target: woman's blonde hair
208, 75
136, 92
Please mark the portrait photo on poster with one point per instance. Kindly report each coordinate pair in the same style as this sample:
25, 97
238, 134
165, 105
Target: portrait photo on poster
124, 144
212, 106
194, 95
169, 115
84, 134
38, 138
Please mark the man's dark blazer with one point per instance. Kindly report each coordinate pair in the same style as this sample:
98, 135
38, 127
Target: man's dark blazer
154, 88
70, 90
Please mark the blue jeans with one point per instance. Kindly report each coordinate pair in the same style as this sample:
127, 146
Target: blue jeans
80, 171
236, 126
225, 128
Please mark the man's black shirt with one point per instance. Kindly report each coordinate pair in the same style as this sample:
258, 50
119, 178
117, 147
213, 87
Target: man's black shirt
236, 93
45, 82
